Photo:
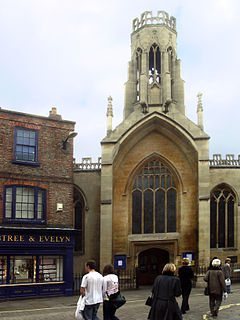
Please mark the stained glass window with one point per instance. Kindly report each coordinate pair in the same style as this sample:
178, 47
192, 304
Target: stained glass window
154, 199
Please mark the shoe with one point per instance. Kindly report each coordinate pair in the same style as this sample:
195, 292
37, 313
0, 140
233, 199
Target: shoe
183, 312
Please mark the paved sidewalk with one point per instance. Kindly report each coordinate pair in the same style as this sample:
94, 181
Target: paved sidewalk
63, 308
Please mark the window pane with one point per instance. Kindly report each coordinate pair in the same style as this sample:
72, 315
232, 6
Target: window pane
148, 211
160, 211
230, 222
163, 181
8, 210
156, 182
50, 268
171, 210
23, 269
3, 269
221, 223
213, 223
25, 147
137, 212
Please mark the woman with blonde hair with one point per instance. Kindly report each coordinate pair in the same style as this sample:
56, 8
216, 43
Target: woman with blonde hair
165, 288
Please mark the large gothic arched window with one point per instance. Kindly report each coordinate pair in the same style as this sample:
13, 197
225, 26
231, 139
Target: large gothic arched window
154, 199
222, 218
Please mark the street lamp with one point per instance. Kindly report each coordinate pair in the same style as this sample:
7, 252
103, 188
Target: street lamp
71, 134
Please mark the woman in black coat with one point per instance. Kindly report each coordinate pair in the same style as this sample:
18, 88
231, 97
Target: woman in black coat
186, 275
165, 288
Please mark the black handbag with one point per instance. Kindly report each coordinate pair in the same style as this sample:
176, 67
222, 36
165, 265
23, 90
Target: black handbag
206, 291
149, 301
117, 300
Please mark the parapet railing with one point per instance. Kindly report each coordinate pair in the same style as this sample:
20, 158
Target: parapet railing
87, 164
229, 161
147, 18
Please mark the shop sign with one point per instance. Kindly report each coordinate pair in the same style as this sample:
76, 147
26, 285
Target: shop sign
38, 239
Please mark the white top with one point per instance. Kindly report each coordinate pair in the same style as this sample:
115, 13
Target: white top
110, 285
92, 283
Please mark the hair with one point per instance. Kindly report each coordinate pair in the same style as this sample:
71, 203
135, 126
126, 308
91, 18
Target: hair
91, 264
216, 263
108, 269
169, 267
185, 261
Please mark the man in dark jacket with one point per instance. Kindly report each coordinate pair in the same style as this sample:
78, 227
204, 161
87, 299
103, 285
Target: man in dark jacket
227, 273
217, 286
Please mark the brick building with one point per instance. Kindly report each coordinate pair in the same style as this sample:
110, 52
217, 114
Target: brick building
36, 204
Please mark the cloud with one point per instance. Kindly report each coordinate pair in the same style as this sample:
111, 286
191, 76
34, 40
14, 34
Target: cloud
74, 54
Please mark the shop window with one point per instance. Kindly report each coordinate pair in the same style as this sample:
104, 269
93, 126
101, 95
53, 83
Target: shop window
154, 199
24, 203
26, 146
3, 269
23, 269
222, 205
50, 268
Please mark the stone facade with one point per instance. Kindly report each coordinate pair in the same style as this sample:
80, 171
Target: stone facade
155, 129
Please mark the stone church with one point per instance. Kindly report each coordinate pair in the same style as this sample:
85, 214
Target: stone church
155, 196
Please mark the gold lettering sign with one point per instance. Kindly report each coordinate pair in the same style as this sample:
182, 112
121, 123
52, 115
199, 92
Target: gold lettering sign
8, 238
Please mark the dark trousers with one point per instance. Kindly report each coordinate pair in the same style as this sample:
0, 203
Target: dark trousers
90, 311
185, 297
215, 301
108, 311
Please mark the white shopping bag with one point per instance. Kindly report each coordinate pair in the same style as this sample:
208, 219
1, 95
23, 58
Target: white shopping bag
228, 282
80, 308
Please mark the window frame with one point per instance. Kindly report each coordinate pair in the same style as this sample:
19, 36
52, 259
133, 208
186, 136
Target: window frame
229, 213
22, 161
35, 219
166, 183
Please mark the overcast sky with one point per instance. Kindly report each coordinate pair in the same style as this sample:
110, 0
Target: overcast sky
73, 54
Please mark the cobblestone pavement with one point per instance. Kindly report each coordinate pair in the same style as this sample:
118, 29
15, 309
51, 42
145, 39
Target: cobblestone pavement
63, 308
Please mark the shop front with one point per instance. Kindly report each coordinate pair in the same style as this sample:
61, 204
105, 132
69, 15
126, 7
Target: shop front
35, 262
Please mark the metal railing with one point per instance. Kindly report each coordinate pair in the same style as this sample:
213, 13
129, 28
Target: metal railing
128, 279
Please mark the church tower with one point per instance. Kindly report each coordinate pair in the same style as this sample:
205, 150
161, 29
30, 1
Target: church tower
155, 171
154, 79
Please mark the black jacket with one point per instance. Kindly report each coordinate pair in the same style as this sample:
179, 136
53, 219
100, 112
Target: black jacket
186, 275
165, 307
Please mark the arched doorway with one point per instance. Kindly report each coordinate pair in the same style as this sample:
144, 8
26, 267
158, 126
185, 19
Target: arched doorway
150, 265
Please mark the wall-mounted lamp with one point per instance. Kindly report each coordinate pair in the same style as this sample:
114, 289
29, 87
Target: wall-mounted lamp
70, 135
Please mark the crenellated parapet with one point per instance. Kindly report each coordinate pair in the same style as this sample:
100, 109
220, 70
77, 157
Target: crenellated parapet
88, 165
229, 161
147, 18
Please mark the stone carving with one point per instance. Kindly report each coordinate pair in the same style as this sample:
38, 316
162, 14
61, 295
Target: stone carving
230, 161
87, 164
161, 18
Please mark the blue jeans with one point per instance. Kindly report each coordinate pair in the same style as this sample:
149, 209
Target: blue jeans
90, 311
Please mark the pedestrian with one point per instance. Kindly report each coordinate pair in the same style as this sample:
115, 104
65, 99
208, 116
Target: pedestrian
110, 290
186, 275
165, 288
227, 271
216, 283
91, 288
